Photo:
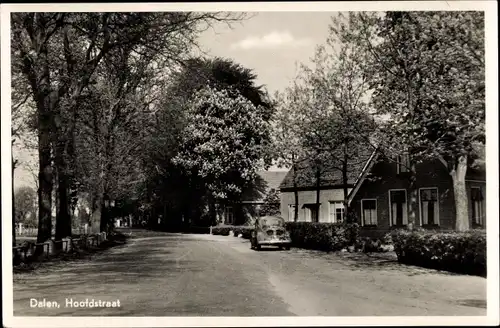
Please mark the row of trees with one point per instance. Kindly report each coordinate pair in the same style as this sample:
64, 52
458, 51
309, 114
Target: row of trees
88, 85
122, 111
124, 114
220, 137
399, 83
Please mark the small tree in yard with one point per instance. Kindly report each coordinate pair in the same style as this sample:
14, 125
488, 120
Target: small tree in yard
271, 204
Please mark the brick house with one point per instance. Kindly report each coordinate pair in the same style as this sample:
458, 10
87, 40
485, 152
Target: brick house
379, 196
331, 208
252, 198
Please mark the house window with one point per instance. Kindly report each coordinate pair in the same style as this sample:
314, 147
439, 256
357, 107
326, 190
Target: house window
403, 163
336, 212
477, 205
229, 215
398, 207
369, 212
291, 212
429, 207
311, 211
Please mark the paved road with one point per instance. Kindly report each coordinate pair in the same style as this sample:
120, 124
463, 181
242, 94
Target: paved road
197, 275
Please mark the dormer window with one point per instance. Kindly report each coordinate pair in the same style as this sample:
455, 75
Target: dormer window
403, 163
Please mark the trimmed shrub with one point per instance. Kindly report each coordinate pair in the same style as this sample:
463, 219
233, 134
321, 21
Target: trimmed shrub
374, 245
224, 230
221, 230
322, 236
461, 252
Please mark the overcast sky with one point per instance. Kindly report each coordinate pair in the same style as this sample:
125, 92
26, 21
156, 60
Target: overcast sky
269, 43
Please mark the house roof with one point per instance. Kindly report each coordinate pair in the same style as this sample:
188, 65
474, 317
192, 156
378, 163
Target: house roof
477, 171
273, 179
305, 176
265, 181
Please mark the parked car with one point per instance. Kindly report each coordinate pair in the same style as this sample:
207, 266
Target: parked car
270, 231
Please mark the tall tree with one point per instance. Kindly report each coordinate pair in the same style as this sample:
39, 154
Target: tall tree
430, 79
223, 143
341, 120
58, 53
287, 135
187, 193
427, 75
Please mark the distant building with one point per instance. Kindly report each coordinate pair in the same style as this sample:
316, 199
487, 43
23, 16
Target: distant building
252, 198
331, 186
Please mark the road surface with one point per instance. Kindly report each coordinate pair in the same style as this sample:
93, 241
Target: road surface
205, 275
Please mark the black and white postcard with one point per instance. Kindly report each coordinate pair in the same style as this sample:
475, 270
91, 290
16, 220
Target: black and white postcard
250, 164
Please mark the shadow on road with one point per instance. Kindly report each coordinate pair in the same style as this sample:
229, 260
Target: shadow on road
270, 249
473, 303
387, 262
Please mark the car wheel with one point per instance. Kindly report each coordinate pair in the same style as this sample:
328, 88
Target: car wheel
287, 247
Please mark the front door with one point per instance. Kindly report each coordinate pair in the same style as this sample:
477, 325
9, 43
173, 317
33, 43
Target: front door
314, 214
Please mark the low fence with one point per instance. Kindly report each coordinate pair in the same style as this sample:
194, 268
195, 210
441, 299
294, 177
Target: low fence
27, 251
30, 231
26, 231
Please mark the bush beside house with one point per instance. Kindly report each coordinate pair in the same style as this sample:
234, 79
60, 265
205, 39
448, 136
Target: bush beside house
225, 230
221, 230
323, 236
461, 252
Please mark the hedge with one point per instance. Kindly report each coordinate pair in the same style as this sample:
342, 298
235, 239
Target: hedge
221, 230
224, 230
461, 252
323, 236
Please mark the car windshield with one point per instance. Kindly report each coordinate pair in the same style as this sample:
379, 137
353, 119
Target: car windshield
271, 222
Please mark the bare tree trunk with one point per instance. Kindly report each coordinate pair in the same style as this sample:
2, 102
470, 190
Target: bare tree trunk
295, 191
95, 217
63, 218
460, 193
211, 210
344, 181
13, 205
44, 153
296, 209
318, 193
105, 217
413, 197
